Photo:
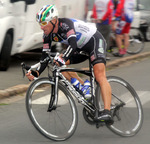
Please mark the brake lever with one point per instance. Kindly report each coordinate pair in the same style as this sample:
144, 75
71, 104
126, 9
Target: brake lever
23, 67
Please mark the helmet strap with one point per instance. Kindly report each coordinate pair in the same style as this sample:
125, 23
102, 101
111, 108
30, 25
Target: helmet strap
53, 26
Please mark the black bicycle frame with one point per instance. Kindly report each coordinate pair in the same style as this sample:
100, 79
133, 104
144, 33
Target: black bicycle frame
54, 93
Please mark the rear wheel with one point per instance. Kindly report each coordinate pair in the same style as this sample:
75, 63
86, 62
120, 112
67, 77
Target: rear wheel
126, 108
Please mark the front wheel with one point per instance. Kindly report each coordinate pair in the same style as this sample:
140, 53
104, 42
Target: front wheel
58, 124
126, 108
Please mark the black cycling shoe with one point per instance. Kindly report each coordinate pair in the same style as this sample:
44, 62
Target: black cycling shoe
105, 116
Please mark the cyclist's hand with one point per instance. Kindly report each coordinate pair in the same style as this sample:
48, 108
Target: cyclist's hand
59, 60
31, 75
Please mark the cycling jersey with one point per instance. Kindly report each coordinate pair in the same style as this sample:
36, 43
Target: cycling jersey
123, 27
70, 28
102, 10
77, 35
124, 10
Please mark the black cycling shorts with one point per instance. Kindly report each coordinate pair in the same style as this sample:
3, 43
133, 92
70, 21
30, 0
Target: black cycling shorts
96, 48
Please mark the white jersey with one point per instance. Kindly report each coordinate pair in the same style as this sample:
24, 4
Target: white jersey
74, 33
84, 32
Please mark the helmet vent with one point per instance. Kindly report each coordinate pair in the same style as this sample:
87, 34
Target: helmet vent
52, 10
47, 14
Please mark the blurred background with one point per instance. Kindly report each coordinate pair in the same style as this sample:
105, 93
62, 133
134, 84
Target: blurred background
21, 36
19, 31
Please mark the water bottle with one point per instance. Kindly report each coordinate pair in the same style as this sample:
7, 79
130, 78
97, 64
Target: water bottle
76, 83
87, 90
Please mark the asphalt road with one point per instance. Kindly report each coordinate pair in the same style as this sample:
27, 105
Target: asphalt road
16, 128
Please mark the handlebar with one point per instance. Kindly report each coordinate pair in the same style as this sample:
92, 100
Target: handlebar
28, 68
47, 59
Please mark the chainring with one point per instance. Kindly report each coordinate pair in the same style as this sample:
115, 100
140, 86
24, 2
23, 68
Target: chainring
89, 117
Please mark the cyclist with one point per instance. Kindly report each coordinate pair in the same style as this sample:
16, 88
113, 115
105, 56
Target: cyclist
123, 18
79, 36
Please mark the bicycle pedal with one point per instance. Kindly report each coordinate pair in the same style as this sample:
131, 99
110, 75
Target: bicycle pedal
111, 122
100, 124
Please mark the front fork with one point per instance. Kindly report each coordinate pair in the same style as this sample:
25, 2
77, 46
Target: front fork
54, 93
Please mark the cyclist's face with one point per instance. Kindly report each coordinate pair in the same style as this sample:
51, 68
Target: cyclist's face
47, 28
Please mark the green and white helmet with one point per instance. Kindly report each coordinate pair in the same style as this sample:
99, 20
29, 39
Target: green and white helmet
47, 13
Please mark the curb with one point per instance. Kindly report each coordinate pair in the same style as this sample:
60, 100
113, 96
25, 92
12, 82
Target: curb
12, 91
120, 61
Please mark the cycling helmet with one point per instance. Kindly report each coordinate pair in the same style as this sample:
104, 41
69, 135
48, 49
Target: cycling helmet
47, 13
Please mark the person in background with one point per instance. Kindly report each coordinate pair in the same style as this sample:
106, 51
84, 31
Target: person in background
86, 9
121, 24
102, 15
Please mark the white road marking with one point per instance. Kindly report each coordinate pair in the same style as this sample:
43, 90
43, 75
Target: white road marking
45, 99
143, 95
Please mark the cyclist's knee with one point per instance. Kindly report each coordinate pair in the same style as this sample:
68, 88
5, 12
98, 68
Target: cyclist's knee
99, 72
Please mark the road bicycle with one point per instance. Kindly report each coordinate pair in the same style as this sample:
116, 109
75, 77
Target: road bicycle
51, 104
136, 41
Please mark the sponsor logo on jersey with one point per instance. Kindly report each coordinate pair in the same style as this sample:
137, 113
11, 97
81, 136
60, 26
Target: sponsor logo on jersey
71, 32
101, 49
92, 57
56, 39
78, 35
46, 46
64, 26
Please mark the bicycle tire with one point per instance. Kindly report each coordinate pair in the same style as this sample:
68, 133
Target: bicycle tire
128, 119
137, 42
59, 124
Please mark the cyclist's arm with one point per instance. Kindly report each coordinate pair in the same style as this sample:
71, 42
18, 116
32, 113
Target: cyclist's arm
71, 48
46, 48
72, 41
108, 14
43, 63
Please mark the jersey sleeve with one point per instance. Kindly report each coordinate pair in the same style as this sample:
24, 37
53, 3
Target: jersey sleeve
108, 14
119, 10
46, 49
71, 38
94, 13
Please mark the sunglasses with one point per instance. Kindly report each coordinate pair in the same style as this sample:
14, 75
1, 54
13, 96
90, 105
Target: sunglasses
44, 23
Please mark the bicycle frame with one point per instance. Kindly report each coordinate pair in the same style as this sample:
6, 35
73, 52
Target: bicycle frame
58, 76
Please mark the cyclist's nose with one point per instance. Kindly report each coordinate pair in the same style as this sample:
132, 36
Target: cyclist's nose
42, 27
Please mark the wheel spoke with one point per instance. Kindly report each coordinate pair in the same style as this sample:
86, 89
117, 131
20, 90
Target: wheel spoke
58, 124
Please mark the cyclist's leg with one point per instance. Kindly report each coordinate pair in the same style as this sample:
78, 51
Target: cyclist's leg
76, 58
98, 60
69, 75
100, 75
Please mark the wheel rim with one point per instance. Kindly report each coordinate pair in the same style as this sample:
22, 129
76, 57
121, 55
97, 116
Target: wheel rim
128, 119
58, 124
